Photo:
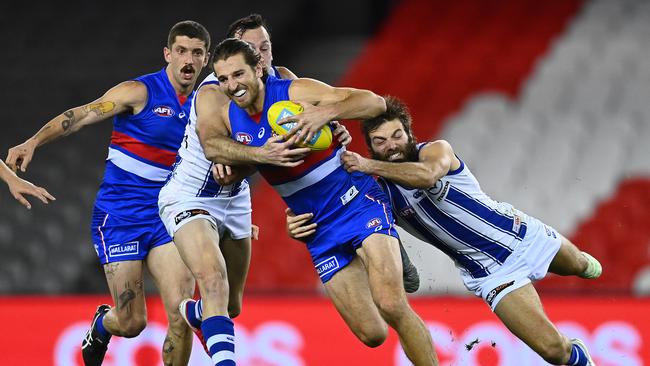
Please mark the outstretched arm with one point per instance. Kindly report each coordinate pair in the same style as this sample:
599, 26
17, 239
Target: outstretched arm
323, 103
213, 129
18, 187
121, 98
436, 160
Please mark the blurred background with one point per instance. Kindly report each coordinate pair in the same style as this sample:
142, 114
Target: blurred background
547, 102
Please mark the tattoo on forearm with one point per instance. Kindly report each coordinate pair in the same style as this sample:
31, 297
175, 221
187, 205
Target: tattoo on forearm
67, 123
99, 108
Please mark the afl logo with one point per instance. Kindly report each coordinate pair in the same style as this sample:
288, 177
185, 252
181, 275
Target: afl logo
373, 222
163, 111
244, 138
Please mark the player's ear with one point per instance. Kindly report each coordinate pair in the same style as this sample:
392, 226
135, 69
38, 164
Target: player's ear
258, 70
167, 54
206, 59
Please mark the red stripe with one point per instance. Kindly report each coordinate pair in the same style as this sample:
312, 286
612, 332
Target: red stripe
277, 175
139, 148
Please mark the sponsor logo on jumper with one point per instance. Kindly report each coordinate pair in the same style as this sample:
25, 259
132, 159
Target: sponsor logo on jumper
373, 222
243, 138
124, 249
349, 195
516, 224
189, 213
417, 194
549, 231
493, 294
407, 211
260, 134
181, 115
443, 193
327, 266
163, 111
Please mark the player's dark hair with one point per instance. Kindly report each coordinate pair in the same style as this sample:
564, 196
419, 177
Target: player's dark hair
190, 29
241, 25
395, 109
230, 47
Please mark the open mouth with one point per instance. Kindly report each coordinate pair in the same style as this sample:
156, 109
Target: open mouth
187, 72
394, 156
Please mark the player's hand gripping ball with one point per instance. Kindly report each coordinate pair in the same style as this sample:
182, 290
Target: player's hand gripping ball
284, 108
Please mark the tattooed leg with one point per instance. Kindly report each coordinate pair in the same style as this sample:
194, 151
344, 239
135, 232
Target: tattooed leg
128, 316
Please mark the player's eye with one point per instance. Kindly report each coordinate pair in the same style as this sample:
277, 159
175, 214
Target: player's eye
264, 49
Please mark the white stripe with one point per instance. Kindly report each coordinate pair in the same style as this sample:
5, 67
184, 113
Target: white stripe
223, 356
218, 338
136, 167
99, 228
313, 177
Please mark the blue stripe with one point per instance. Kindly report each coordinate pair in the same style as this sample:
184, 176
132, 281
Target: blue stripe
210, 187
464, 234
482, 212
475, 268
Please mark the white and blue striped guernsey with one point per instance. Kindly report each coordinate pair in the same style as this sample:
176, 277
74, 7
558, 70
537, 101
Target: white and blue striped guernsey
458, 218
192, 172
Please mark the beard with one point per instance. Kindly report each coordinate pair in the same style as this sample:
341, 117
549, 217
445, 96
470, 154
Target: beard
409, 153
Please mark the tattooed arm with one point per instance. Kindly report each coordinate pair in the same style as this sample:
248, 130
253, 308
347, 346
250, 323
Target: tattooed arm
129, 96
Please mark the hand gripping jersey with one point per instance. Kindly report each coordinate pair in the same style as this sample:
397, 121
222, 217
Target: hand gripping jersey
347, 207
454, 215
140, 156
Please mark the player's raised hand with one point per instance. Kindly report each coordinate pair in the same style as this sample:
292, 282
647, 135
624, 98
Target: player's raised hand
308, 122
18, 187
342, 133
21, 155
281, 152
353, 162
297, 226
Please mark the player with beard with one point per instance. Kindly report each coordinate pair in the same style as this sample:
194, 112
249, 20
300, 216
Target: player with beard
498, 249
357, 254
18, 187
150, 113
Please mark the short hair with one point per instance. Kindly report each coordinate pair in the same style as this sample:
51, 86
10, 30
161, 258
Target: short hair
241, 25
232, 46
190, 29
395, 109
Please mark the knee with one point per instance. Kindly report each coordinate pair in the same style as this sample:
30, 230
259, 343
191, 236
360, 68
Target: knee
372, 336
133, 326
212, 280
234, 309
556, 351
391, 307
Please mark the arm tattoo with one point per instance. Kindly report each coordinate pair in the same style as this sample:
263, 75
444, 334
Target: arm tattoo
99, 108
68, 122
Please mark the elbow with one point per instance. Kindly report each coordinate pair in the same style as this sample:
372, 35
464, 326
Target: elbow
380, 104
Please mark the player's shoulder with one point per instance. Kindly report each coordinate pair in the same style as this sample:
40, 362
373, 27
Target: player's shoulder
285, 73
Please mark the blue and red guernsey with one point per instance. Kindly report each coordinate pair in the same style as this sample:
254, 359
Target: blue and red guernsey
142, 151
286, 181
